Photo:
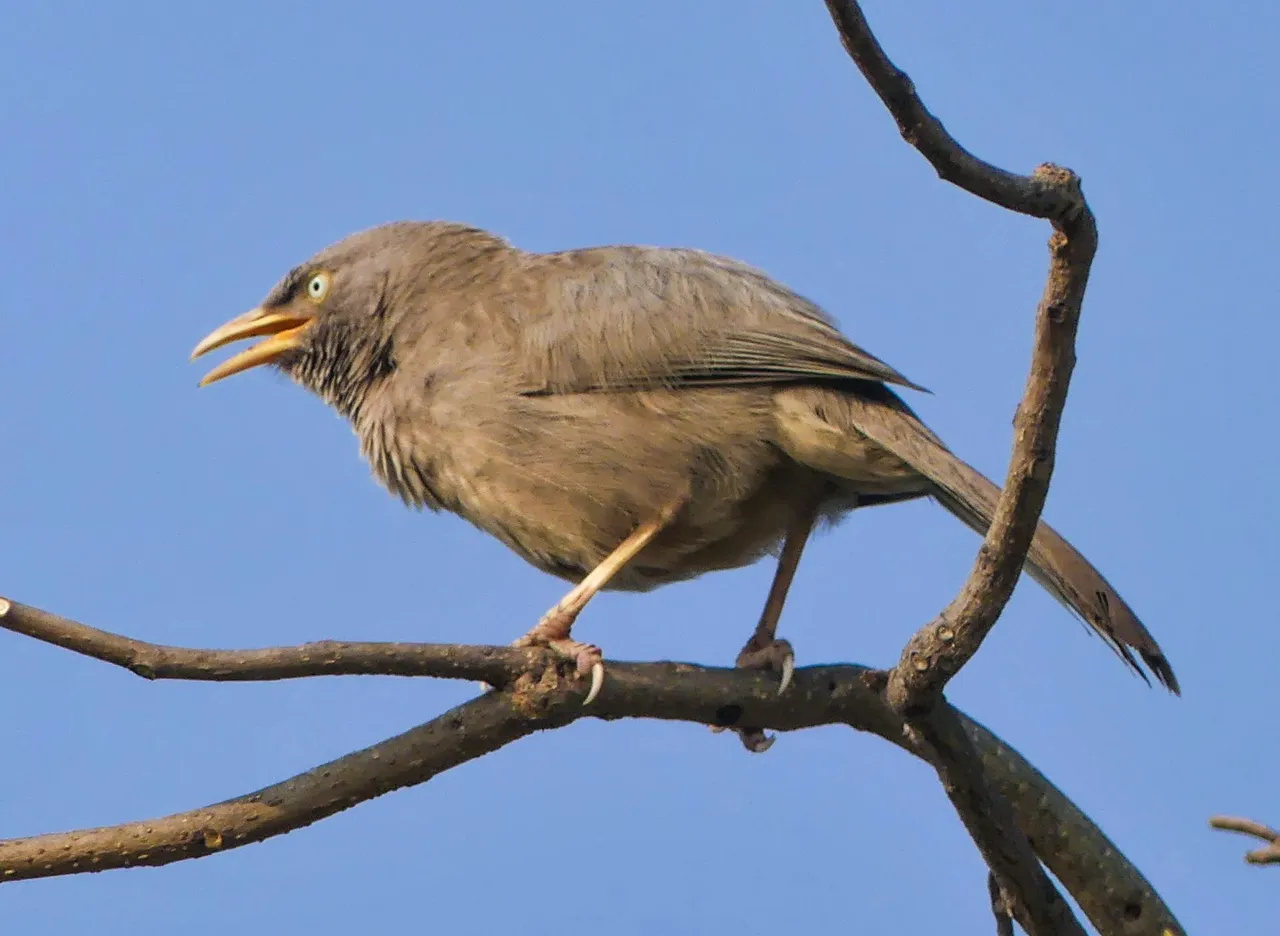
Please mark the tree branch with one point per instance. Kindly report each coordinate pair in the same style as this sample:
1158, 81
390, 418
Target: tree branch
940, 649
954, 164
496, 666
1000, 907
1270, 854
994, 828
467, 732
1112, 892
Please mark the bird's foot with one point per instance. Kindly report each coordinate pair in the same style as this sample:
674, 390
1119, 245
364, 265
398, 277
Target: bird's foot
753, 739
772, 655
552, 632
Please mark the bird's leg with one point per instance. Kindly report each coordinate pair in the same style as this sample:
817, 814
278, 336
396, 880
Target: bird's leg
764, 650
553, 630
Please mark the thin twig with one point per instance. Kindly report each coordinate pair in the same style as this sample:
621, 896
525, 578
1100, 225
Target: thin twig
955, 164
494, 665
1259, 856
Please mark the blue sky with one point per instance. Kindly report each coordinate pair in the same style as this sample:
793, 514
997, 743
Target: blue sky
164, 163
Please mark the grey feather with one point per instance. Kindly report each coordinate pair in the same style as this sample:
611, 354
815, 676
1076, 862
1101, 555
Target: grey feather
677, 318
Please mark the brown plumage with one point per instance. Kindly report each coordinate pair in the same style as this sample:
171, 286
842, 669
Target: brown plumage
567, 402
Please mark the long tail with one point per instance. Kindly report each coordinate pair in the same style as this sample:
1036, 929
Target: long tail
965, 492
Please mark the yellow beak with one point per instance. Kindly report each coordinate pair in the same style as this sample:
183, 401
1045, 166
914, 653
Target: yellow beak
284, 329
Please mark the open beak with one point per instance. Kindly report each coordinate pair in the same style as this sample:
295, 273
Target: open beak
283, 330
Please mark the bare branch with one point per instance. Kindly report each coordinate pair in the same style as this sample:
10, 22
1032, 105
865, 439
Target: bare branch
1259, 856
1035, 196
1000, 907
469, 731
1112, 892
937, 651
494, 665
991, 822
940, 649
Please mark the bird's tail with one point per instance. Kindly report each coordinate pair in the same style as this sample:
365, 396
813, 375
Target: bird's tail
965, 492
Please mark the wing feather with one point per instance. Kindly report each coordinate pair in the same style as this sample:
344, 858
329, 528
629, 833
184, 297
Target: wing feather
636, 318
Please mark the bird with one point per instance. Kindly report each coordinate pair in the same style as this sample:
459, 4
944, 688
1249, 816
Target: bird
624, 417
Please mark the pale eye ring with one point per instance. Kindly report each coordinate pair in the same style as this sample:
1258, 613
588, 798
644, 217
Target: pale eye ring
318, 287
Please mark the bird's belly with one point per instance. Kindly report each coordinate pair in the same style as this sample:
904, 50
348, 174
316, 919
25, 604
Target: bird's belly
568, 535
563, 481
566, 483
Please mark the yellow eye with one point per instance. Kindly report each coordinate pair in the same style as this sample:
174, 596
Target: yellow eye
318, 287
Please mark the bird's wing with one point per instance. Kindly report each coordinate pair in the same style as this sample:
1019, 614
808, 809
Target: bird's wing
635, 318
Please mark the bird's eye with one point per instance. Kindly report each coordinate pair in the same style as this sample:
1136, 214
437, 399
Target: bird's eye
318, 287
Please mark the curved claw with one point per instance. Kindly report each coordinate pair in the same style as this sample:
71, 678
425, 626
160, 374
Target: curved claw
753, 739
597, 680
788, 670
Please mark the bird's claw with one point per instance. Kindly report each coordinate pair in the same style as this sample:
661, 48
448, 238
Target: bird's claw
587, 658
589, 661
753, 739
776, 655
788, 670
597, 680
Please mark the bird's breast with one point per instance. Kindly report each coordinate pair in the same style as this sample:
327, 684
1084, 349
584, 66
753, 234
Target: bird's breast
402, 465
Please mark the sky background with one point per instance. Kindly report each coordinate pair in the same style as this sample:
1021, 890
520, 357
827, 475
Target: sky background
163, 164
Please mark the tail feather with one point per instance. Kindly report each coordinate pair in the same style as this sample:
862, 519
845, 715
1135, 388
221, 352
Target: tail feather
1072, 580
1051, 561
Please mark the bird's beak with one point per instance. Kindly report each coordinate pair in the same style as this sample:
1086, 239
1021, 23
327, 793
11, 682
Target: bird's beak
283, 328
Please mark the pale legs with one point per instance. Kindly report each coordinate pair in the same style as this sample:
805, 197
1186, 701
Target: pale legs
764, 650
553, 630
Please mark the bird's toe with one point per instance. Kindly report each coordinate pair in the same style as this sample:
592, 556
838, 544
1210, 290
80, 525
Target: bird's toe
774, 656
587, 658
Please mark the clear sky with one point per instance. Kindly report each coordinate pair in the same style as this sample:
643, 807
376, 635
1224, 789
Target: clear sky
162, 164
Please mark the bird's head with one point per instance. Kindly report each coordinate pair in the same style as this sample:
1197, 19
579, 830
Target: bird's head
334, 322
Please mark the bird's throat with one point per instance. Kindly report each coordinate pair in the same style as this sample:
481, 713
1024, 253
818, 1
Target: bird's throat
343, 368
